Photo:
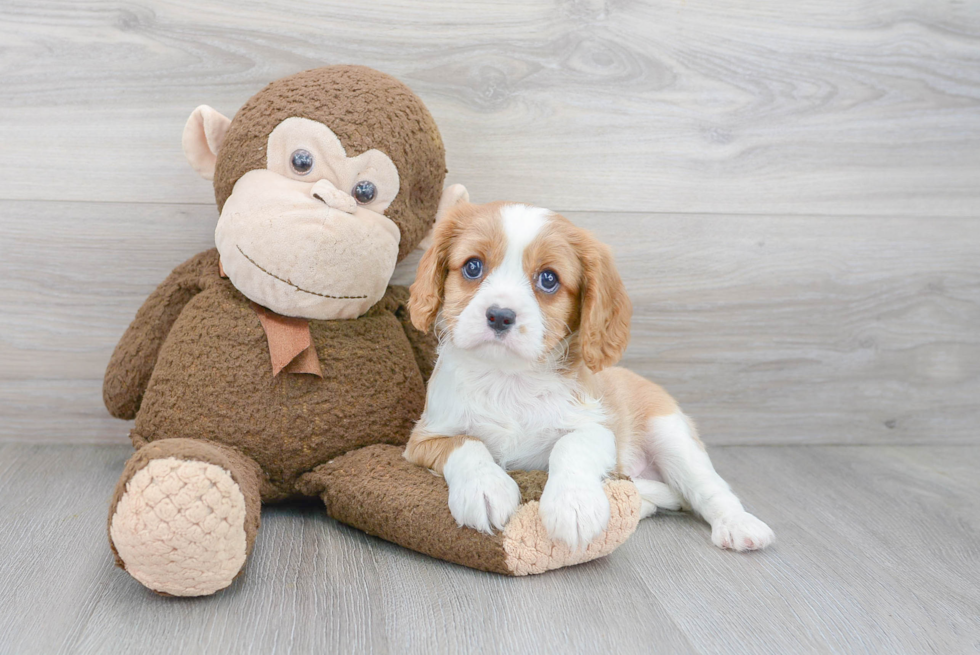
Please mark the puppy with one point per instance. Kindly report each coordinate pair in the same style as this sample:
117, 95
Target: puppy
531, 314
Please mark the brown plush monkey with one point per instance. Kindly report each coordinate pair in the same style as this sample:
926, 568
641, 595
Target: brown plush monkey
281, 363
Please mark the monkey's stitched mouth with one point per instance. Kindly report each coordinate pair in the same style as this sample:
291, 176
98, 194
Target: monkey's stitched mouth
298, 288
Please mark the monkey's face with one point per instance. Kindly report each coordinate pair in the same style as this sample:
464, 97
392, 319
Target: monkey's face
307, 179
307, 235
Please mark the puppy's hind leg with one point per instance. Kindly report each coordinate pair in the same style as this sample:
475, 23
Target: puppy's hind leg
685, 466
654, 494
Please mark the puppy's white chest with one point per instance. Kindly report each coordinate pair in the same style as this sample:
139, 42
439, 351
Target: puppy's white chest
519, 416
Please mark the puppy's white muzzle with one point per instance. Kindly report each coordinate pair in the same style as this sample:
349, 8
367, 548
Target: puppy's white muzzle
503, 312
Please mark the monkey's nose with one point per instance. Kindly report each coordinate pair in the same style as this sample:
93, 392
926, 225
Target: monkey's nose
333, 197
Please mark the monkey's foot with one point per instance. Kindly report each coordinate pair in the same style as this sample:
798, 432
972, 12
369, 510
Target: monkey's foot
374, 489
179, 525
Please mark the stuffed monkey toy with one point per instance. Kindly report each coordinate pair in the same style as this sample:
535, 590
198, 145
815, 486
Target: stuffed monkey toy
282, 364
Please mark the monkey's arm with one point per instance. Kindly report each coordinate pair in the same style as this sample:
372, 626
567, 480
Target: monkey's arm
423, 345
375, 489
135, 355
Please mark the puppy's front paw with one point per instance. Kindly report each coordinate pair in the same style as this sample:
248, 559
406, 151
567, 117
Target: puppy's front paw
741, 531
574, 511
484, 500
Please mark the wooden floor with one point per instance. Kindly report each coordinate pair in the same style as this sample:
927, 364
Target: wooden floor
878, 551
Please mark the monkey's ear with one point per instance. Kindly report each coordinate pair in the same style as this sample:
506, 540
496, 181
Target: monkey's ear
452, 195
203, 134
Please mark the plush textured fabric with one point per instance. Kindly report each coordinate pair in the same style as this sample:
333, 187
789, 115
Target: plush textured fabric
244, 471
288, 246
366, 109
376, 490
212, 378
132, 362
290, 342
180, 527
217, 433
203, 134
423, 345
212, 398
154, 549
529, 550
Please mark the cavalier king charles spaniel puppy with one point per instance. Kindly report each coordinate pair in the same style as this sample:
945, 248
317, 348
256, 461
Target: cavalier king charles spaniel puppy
531, 314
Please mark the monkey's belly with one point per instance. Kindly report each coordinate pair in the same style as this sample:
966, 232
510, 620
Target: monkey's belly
213, 380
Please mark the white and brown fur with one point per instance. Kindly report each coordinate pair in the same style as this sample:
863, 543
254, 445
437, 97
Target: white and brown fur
543, 394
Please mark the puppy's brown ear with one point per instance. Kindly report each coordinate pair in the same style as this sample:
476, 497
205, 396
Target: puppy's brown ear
604, 328
426, 298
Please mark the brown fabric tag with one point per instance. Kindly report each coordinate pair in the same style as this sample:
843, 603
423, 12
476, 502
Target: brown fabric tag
305, 362
290, 341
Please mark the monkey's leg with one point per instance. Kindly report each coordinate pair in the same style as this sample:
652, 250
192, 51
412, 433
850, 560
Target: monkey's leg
375, 490
184, 516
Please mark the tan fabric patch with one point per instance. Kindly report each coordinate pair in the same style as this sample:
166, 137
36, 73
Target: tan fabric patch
203, 135
529, 549
180, 527
366, 110
290, 343
330, 161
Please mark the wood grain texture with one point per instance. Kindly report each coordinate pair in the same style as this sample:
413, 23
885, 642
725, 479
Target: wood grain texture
791, 190
807, 329
877, 552
811, 107
767, 329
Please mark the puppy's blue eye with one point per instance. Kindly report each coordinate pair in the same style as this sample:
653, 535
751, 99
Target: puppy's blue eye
473, 268
548, 281
301, 161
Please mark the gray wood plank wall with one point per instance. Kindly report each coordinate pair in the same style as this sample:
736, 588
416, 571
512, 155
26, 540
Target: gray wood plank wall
792, 189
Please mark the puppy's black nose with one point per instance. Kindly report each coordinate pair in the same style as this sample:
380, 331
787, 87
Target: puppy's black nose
500, 319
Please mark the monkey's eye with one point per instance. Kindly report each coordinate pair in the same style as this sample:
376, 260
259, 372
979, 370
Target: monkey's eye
301, 161
548, 281
473, 268
364, 192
